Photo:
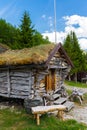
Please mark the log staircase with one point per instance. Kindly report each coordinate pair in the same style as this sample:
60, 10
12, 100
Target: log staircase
59, 97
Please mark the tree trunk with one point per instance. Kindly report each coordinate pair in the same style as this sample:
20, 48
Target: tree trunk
75, 77
69, 77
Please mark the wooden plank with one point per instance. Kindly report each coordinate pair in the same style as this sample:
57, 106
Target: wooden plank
19, 93
69, 105
18, 96
4, 94
3, 79
19, 78
3, 88
3, 91
20, 87
60, 100
19, 74
8, 79
30, 83
56, 96
3, 74
44, 109
20, 82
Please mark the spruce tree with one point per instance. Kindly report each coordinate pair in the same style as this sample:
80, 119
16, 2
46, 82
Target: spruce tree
72, 48
26, 31
67, 45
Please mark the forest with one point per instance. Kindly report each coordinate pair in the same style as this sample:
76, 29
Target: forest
77, 56
23, 36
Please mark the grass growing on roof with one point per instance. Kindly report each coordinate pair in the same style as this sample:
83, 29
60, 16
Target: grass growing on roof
37, 54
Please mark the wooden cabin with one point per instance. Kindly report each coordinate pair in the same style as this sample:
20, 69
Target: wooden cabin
33, 71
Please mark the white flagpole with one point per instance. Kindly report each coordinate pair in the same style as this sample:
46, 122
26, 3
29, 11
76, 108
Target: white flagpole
55, 21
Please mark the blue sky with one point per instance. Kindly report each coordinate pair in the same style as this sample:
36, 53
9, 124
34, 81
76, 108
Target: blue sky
70, 15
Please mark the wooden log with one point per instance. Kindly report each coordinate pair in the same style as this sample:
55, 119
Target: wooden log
38, 119
18, 96
3, 88
8, 80
60, 114
22, 84
3, 91
44, 73
3, 75
19, 74
20, 93
19, 78
20, 87
19, 82
3, 79
4, 94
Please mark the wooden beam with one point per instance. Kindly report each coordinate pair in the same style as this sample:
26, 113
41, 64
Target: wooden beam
8, 79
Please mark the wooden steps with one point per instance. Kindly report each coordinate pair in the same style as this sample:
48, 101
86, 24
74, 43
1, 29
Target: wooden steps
60, 101
69, 105
56, 96
63, 101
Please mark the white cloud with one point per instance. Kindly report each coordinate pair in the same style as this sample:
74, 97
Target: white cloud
51, 35
75, 23
83, 43
80, 21
43, 16
50, 18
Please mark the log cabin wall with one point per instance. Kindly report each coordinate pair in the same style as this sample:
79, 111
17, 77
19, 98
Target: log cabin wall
3, 82
16, 83
39, 84
19, 82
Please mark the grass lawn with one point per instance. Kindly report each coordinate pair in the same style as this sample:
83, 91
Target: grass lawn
19, 120
74, 84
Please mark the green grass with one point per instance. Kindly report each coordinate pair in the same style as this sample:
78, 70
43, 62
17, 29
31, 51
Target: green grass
19, 120
74, 84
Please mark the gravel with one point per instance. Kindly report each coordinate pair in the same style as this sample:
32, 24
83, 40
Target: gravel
79, 112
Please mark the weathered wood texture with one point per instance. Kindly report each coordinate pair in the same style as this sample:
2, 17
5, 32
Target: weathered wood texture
16, 83
38, 110
62, 68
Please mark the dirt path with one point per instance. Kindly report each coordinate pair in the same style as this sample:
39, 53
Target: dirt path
79, 112
84, 90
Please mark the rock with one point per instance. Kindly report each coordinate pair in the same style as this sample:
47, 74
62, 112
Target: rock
28, 103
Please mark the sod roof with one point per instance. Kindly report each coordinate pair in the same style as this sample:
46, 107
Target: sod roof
38, 54
3, 47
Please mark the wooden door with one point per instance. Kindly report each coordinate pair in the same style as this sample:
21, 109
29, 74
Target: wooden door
50, 81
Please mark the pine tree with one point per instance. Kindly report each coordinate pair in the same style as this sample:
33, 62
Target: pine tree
67, 45
26, 31
77, 57
72, 48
